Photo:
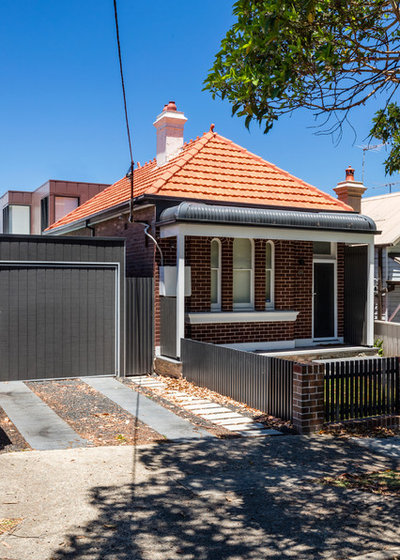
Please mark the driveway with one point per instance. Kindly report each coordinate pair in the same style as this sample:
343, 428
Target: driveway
204, 499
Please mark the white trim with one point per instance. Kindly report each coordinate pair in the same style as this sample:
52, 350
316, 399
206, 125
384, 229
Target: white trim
251, 232
271, 304
370, 295
180, 292
241, 317
249, 304
217, 306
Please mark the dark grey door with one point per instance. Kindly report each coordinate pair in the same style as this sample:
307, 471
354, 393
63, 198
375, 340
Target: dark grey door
355, 294
57, 321
324, 300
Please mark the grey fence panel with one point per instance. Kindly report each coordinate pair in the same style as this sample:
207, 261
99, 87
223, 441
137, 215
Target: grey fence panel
390, 334
139, 325
168, 326
259, 381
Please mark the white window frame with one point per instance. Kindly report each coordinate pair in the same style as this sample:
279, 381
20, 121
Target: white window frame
217, 306
270, 304
250, 304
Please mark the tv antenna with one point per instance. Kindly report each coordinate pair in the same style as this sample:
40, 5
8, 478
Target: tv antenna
368, 148
390, 185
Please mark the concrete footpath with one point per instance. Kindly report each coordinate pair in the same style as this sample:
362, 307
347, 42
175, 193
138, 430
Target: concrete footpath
242, 499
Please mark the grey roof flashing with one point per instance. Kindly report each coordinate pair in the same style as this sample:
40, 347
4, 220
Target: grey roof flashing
267, 217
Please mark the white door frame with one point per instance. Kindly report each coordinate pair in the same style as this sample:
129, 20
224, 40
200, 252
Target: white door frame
330, 259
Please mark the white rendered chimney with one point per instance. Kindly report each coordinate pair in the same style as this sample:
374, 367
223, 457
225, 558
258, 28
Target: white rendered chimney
169, 125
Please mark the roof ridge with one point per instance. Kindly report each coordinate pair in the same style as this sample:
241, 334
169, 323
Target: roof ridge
191, 150
325, 195
386, 195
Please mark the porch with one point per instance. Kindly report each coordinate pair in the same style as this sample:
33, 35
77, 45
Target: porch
264, 280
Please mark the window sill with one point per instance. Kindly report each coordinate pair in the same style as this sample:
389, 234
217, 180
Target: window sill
271, 316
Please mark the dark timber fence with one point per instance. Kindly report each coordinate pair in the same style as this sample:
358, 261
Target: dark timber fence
259, 381
139, 325
361, 388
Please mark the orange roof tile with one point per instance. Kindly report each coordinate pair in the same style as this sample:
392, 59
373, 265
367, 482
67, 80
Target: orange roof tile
212, 168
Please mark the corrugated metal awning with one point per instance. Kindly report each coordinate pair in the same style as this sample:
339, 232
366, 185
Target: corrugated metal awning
267, 217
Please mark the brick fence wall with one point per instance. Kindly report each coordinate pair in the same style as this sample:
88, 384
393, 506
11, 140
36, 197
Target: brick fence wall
308, 397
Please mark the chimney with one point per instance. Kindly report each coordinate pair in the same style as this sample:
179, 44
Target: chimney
350, 191
169, 125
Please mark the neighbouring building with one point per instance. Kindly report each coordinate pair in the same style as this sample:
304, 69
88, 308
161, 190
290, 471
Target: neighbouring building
31, 212
385, 211
242, 253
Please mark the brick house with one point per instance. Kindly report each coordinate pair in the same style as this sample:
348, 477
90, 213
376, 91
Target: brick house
242, 253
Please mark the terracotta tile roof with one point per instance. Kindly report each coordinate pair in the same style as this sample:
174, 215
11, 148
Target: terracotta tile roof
212, 168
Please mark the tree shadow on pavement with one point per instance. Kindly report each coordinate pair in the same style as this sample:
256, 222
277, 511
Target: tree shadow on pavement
239, 499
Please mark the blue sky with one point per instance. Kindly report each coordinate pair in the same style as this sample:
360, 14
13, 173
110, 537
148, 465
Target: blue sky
61, 113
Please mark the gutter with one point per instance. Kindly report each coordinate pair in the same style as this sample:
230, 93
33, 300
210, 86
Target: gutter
187, 212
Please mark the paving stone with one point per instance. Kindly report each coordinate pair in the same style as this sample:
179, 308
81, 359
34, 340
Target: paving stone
40, 426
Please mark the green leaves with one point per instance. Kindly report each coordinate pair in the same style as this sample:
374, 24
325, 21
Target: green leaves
387, 129
324, 55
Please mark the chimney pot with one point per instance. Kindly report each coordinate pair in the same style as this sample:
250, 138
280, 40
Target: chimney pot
349, 174
171, 106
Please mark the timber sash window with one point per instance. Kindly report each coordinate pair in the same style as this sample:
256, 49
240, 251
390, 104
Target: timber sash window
269, 275
243, 264
216, 275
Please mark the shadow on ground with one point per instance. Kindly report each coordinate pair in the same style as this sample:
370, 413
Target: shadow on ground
4, 439
242, 499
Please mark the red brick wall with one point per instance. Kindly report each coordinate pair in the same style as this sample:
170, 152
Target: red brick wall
225, 333
198, 257
139, 249
302, 272
292, 289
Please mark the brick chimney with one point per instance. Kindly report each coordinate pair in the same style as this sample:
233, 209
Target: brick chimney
350, 191
169, 125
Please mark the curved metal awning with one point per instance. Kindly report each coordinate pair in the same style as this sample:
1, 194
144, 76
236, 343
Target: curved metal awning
267, 217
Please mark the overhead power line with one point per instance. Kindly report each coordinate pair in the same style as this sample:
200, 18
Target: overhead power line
132, 165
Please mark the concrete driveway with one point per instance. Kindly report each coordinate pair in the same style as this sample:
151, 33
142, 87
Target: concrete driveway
204, 499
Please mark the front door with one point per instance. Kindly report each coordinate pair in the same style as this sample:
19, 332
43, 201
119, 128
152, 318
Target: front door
324, 300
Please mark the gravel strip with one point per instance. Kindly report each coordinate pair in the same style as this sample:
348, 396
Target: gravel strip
360, 430
10, 438
166, 399
92, 415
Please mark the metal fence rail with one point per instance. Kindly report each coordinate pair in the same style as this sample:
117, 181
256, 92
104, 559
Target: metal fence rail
139, 325
361, 388
259, 381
